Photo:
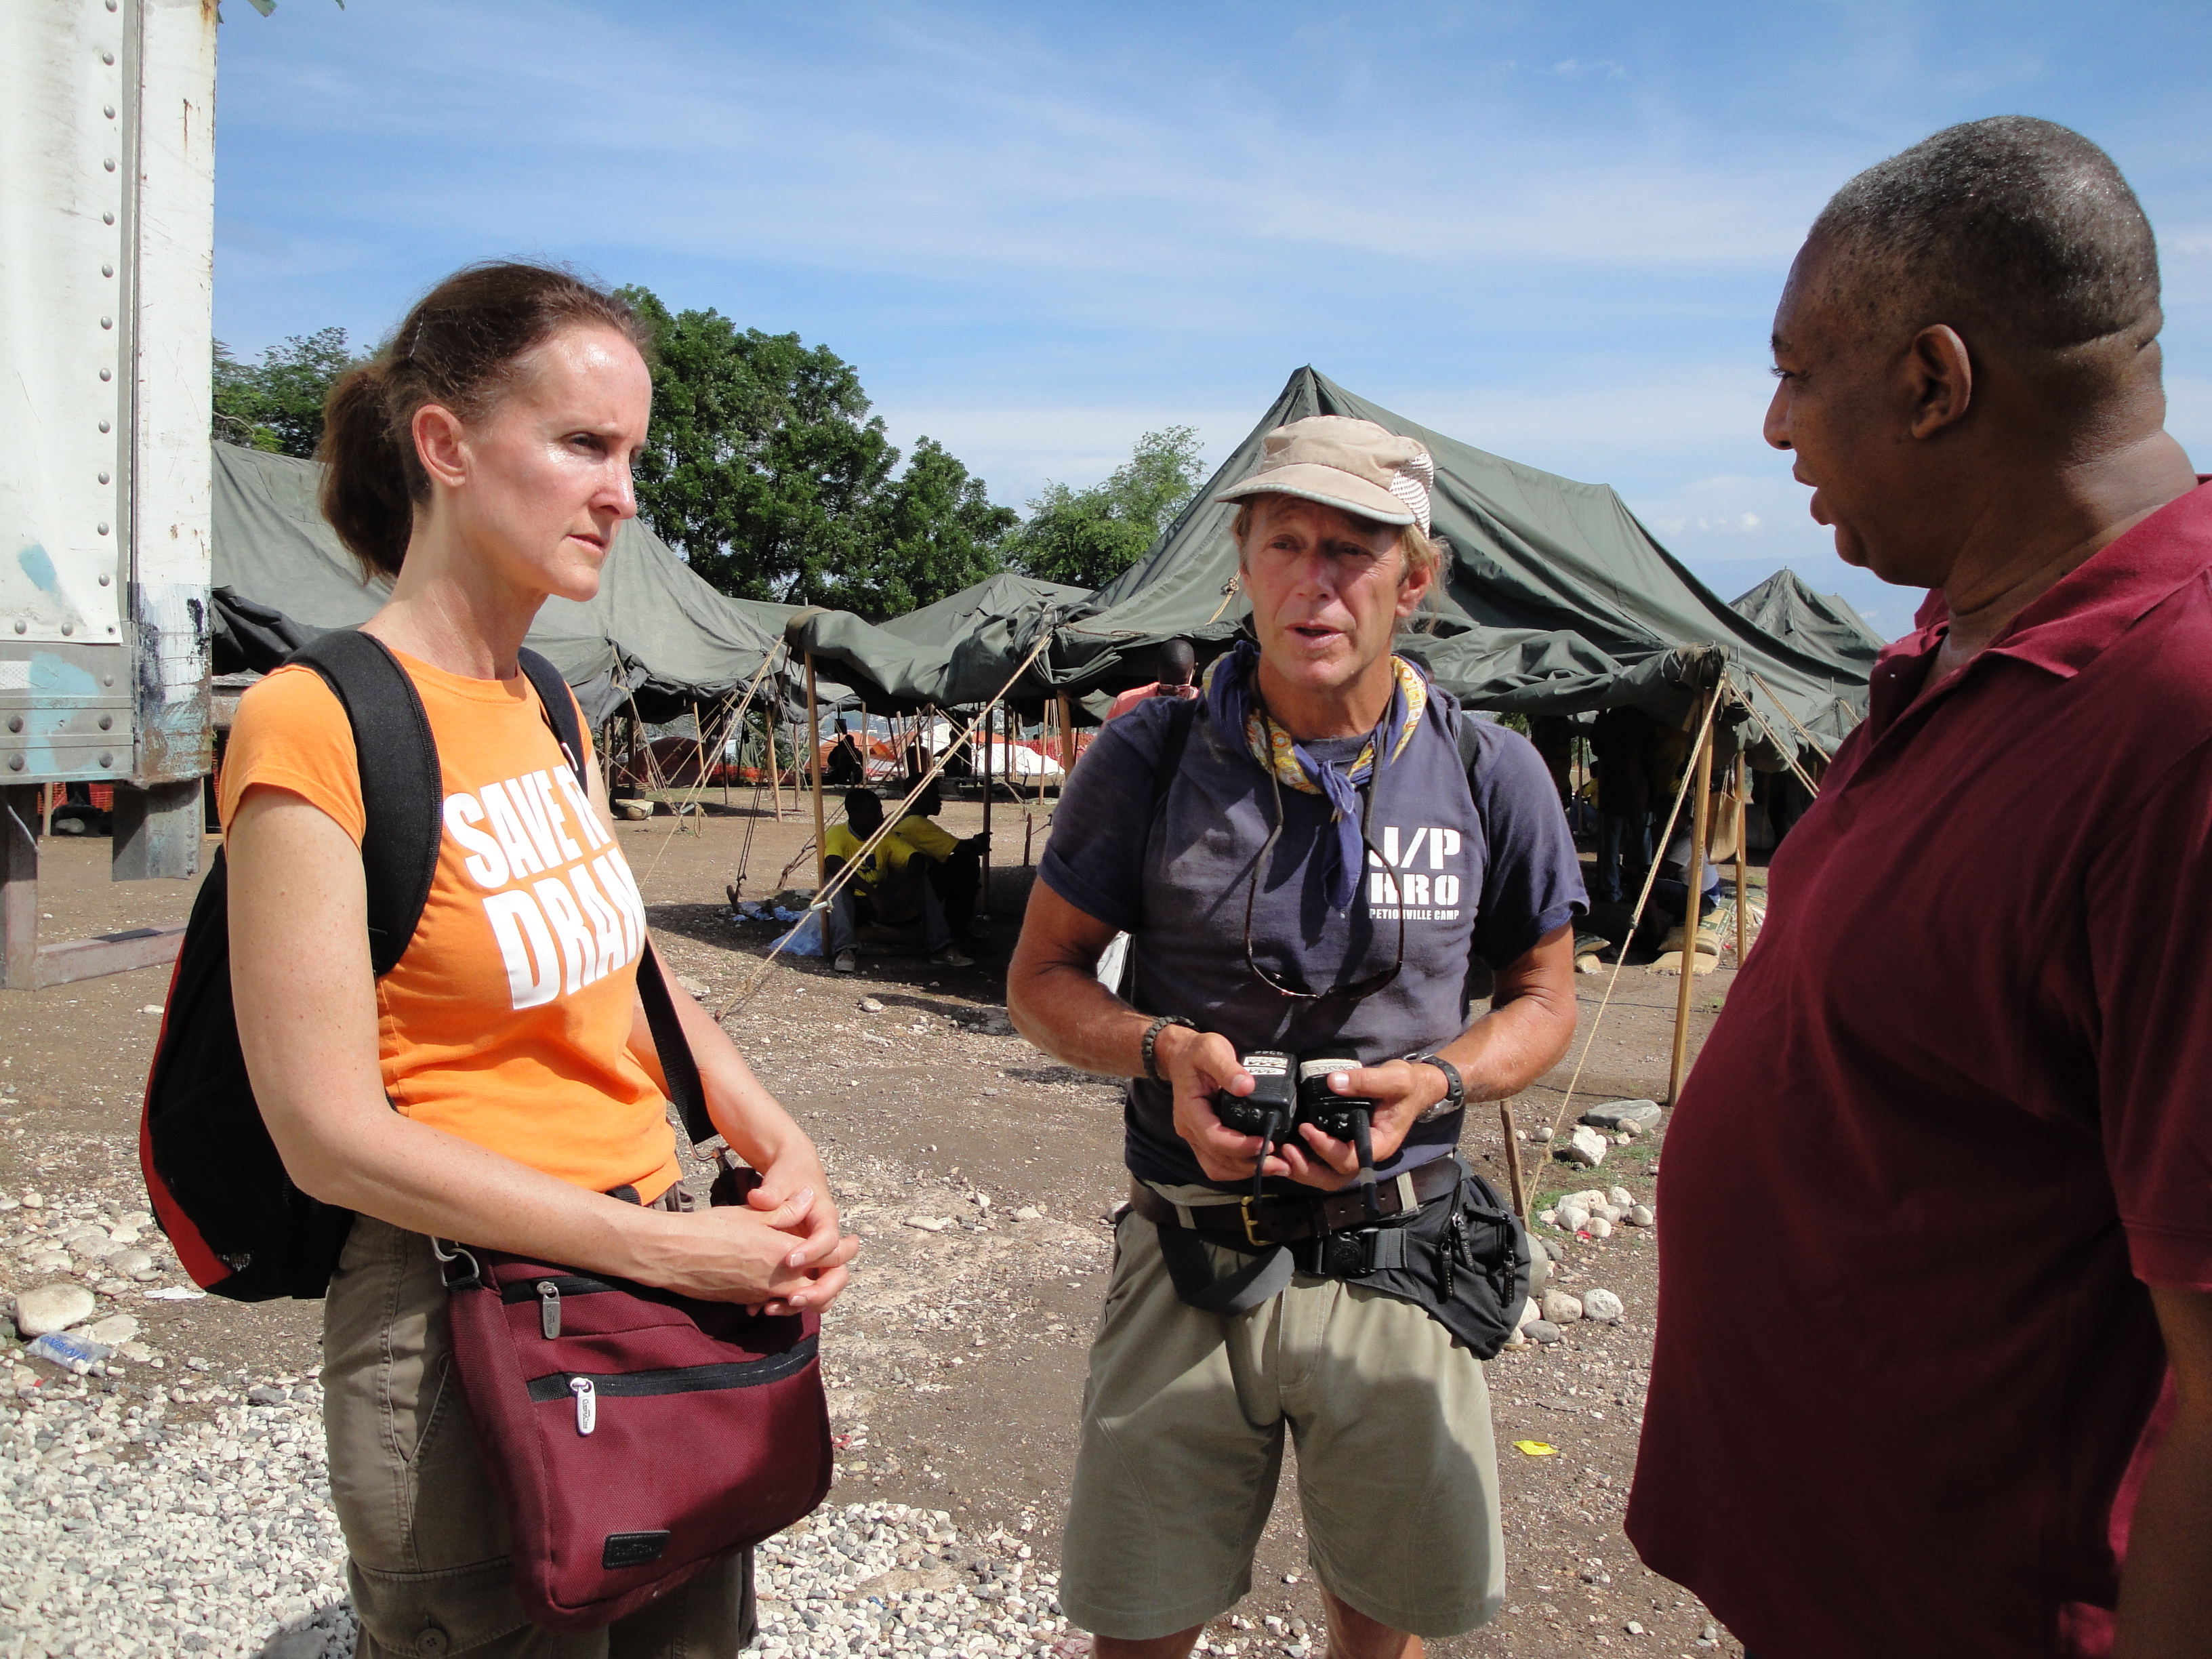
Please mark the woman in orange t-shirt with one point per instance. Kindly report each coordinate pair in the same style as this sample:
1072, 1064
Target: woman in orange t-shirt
499, 1084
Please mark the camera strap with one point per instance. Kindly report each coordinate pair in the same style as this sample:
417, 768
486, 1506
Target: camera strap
1259, 1280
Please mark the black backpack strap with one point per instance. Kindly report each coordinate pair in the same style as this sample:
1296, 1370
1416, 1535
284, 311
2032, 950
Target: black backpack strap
1173, 742
1470, 746
677, 1064
402, 790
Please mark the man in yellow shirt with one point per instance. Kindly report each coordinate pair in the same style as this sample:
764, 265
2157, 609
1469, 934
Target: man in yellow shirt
892, 882
955, 867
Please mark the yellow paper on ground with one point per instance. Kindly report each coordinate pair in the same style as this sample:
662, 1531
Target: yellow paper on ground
1535, 1449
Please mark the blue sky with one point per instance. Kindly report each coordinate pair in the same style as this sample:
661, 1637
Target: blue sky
1556, 231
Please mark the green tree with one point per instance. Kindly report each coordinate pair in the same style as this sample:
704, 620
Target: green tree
276, 404
933, 531
763, 465
1086, 537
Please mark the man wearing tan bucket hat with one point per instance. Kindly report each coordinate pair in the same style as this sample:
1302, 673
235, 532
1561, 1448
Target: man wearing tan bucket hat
1307, 858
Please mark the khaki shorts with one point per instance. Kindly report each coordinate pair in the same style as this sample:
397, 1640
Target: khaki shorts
428, 1554
1183, 1442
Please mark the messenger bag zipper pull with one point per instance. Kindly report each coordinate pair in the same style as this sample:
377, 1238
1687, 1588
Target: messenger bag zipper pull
587, 1403
549, 1310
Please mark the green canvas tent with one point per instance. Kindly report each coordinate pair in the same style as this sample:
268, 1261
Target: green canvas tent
956, 652
1559, 601
655, 633
1822, 623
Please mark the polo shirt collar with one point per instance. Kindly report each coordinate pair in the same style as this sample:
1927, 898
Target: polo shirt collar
2091, 606
2085, 610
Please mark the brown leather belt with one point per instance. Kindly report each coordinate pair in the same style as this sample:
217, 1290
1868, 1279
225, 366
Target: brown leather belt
1259, 1223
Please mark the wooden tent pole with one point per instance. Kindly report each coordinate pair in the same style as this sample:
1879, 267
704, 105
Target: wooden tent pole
814, 771
1067, 741
730, 731
1044, 749
1743, 921
990, 718
775, 761
1701, 812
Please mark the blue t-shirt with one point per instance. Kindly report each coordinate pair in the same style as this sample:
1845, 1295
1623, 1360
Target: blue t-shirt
1487, 871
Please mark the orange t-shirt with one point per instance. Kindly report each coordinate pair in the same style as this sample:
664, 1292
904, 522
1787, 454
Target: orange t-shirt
507, 1022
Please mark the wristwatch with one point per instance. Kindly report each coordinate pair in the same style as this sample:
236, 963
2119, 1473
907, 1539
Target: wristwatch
1455, 1090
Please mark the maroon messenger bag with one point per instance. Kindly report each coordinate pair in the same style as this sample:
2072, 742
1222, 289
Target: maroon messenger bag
636, 1436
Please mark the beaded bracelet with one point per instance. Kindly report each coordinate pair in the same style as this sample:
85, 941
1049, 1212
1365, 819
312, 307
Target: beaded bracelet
1152, 1036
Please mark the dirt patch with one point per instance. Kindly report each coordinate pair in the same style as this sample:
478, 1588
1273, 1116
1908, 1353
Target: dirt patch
956, 1362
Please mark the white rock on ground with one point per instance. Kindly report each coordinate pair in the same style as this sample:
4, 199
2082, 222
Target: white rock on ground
1602, 1306
1620, 1197
115, 1330
1600, 1227
51, 1307
1641, 1216
1560, 1308
1584, 1145
1573, 1217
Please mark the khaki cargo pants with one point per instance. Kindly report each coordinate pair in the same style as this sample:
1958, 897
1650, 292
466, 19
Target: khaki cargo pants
427, 1542
1184, 1418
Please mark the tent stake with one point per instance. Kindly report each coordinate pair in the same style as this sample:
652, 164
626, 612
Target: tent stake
1513, 1161
814, 770
1700, 813
1742, 923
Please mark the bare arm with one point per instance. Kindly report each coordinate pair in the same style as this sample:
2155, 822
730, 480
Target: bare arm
307, 1023
2165, 1589
1057, 1004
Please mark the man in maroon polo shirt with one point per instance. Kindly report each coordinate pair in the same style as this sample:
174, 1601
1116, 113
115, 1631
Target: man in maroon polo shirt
1934, 1370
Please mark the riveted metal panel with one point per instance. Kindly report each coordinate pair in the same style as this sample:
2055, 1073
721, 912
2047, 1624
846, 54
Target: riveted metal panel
107, 234
172, 224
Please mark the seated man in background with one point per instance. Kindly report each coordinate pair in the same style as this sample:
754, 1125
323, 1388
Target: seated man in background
844, 766
954, 866
890, 887
1178, 670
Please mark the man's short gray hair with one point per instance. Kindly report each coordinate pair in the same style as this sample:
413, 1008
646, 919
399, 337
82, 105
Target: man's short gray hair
2017, 225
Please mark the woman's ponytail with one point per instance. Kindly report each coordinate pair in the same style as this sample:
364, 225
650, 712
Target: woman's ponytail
458, 348
365, 490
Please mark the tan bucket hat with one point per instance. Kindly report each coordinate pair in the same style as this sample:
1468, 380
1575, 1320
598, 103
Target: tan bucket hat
1365, 469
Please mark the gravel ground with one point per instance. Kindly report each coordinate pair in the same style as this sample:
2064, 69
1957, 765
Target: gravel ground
138, 1528
159, 1508
99, 1557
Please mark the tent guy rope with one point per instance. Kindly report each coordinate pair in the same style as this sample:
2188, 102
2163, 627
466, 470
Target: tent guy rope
1620, 960
829, 889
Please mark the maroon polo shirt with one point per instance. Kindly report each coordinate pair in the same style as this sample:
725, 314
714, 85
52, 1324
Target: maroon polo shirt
1957, 1113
